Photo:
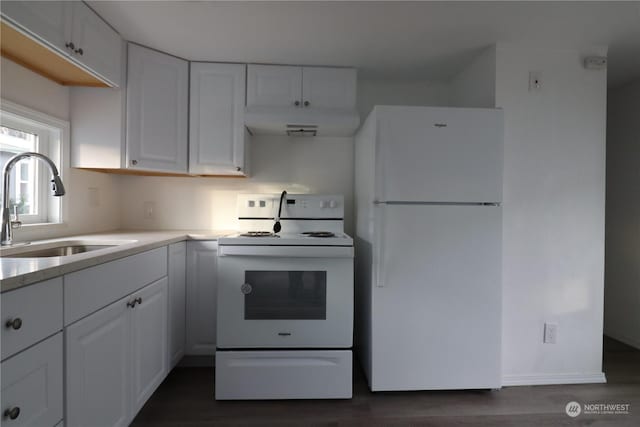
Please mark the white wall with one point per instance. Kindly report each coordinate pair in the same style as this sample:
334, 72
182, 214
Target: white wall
393, 92
298, 165
475, 85
622, 279
553, 205
31, 90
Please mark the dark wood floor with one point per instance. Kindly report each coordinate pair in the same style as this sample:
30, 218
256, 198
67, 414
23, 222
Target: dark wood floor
186, 399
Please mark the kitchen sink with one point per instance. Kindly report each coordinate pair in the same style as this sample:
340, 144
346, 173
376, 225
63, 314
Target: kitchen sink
60, 248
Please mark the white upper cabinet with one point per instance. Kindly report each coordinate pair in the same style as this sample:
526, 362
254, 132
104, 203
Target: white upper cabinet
274, 86
48, 20
216, 118
305, 87
157, 111
329, 87
74, 30
96, 45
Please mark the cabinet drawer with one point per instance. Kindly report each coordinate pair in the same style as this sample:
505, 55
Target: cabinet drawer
36, 313
32, 385
295, 374
88, 290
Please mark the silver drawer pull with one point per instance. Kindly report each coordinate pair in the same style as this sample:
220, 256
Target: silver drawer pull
14, 324
12, 413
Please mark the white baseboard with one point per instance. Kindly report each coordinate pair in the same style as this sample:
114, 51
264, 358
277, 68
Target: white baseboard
633, 342
551, 379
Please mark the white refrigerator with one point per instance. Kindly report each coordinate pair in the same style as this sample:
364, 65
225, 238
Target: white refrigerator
428, 248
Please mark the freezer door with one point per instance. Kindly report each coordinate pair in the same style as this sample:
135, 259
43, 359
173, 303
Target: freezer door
440, 155
436, 306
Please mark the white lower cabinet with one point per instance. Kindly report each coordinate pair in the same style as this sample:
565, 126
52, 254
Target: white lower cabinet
149, 341
32, 392
98, 364
177, 301
116, 357
202, 261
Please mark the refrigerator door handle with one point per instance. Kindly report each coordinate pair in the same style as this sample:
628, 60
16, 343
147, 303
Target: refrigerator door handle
379, 245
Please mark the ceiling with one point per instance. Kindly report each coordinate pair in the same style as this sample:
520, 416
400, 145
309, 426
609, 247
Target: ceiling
400, 40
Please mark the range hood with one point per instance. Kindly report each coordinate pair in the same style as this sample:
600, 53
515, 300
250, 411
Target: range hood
295, 121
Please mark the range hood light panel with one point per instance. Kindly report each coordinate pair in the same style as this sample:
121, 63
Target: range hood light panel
302, 130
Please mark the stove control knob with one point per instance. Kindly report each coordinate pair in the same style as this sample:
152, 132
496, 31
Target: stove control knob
333, 204
246, 288
251, 203
323, 204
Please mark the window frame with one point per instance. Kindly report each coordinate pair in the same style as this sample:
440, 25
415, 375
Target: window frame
53, 141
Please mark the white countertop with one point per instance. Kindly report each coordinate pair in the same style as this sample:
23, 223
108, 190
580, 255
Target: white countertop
18, 272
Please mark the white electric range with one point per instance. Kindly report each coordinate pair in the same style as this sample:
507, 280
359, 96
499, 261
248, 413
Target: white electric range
285, 301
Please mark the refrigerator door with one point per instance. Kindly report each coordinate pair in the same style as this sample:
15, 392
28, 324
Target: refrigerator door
439, 155
437, 298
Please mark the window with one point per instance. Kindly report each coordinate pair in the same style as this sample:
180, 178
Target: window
21, 130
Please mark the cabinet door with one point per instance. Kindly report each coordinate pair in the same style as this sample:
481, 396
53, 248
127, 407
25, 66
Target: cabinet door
157, 116
149, 341
97, 45
216, 118
273, 85
98, 368
201, 297
48, 20
329, 87
32, 385
177, 301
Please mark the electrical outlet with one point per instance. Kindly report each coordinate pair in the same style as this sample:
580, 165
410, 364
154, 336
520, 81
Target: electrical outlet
550, 333
149, 210
535, 81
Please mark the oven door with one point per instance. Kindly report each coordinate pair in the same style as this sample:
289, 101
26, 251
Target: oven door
285, 297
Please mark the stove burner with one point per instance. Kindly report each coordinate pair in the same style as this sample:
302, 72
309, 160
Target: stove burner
259, 234
319, 234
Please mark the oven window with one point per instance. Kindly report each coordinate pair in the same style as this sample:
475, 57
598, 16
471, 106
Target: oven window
286, 295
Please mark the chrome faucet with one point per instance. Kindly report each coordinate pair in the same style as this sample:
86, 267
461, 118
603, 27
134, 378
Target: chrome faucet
6, 237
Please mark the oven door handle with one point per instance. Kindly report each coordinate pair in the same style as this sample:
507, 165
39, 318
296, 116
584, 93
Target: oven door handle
287, 251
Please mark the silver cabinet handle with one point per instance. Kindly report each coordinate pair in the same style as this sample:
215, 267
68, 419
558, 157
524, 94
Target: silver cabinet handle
79, 51
139, 300
14, 323
70, 45
134, 162
306, 103
297, 103
12, 413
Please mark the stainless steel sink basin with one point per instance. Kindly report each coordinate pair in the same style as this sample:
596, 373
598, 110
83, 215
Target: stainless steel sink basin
60, 251
61, 248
